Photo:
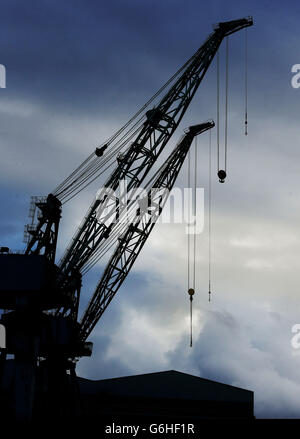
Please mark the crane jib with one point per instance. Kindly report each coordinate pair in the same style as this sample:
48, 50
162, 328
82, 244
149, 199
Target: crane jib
161, 122
137, 233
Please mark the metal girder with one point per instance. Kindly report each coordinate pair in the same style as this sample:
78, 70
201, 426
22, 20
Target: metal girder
134, 238
139, 158
44, 235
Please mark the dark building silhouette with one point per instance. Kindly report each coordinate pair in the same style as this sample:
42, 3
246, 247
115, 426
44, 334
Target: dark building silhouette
166, 395
169, 396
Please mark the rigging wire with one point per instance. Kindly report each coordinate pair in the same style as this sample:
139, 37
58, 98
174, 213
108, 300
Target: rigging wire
95, 167
218, 109
189, 216
222, 172
159, 91
56, 190
191, 319
121, 226
246, 82
195, 212
79, 177
192, 245
190, 290
92, 177
209, 218
195, 229
226, 102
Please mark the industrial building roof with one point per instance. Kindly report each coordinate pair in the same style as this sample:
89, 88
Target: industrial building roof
168, 384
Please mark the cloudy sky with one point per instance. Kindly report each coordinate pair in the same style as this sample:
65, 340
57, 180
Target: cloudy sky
76, 71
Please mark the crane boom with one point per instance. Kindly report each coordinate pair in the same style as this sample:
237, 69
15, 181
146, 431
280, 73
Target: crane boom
43, 332
134, 238
139, 158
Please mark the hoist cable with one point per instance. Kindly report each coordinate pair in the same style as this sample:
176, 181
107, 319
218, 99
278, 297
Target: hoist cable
191, 320
209, 217
195, 212
246, 82
226, 103
189, 215
192, 264
218, 109
192, 291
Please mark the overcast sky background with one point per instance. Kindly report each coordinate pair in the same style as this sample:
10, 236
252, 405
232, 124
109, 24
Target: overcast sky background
76, 71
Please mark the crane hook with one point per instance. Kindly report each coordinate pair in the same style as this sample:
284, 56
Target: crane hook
222, 175
191, 292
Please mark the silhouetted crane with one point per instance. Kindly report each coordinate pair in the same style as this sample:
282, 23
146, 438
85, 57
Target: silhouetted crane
43, 332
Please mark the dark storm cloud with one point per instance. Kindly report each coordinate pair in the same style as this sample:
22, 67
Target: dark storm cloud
63, 52
96, 55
